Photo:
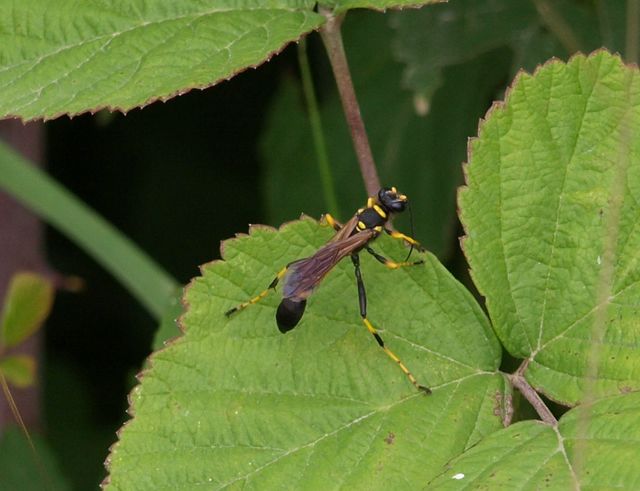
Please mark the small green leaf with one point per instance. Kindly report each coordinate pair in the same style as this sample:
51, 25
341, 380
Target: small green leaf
594, 447
19, 370
26, 306
90, 55
235, 402
550, 211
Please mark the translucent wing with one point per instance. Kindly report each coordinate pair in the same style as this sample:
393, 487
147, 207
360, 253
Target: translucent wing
305, 274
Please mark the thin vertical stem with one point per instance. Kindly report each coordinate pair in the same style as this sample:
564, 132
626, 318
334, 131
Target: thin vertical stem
557, 25
332, 38
317, 132
604, 23
633, 20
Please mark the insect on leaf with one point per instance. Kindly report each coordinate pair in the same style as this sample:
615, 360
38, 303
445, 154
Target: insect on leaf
235, 402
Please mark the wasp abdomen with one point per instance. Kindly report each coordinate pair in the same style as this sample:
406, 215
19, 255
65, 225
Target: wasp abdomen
289, 313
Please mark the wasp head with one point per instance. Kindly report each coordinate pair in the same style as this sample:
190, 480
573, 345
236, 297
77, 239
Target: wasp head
392, 200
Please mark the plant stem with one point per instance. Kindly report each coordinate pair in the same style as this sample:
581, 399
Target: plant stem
317, 132
633, 18
146, 280
557, 25
520, 383
22, 248
332, 38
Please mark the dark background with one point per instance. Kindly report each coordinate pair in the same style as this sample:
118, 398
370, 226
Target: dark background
177, 178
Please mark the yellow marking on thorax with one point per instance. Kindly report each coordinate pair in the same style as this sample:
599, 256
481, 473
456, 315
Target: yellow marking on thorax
380, 211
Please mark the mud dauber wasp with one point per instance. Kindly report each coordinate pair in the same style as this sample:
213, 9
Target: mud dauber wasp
301, 277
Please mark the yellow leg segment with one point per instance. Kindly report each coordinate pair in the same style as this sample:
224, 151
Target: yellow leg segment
389, 263
260, 295
394, 357
394, 265
409, 240
333, 222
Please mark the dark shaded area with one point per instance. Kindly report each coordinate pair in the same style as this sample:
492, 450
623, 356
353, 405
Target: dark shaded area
177, 178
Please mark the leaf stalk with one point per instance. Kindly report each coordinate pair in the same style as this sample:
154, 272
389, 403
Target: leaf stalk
319, 143
519, 382
332, 39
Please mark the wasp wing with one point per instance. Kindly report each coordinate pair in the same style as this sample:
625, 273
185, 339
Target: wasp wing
304, 275
346, 230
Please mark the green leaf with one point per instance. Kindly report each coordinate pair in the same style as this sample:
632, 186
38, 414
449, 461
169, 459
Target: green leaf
550, 211
27, 304
235, 402
19, 370
419, 154
26, 469
448, 34
593, 447
86, 56
341, 6
168, 328
148, 282
432, 39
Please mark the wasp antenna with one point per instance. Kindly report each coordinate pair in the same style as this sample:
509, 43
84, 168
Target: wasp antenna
411, 223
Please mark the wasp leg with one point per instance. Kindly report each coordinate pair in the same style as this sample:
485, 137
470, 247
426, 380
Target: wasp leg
409, 240
389, 263
362, 297
333, 222
260, 296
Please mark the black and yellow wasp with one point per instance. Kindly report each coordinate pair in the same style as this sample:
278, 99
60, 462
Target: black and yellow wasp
301, 277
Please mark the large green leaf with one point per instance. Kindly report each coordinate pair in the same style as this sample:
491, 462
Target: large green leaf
550, 211
235, 403
83, 56
593, 447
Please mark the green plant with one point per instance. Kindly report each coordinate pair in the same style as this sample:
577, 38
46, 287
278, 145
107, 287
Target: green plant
549, 211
